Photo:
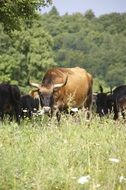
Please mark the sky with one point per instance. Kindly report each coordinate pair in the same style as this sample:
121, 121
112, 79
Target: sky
99, 7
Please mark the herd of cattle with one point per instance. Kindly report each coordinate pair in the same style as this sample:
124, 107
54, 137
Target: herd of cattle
61, 90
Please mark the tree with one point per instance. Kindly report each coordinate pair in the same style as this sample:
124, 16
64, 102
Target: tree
12, 13
114, 22
89, 14
115, 75
27, 53
53, 11
96, 44
5, 43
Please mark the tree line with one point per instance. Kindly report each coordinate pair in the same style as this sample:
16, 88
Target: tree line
97, 44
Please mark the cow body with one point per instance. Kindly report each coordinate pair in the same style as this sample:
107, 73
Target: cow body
114, 102
103, 102
29, 106
118, 98
10, 101
64, 88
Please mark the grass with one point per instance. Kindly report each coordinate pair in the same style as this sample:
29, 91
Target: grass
40, 155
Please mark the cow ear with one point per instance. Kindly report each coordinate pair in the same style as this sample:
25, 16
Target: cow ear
101, 88
32, 92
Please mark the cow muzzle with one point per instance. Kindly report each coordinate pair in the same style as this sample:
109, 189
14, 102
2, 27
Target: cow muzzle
46, 109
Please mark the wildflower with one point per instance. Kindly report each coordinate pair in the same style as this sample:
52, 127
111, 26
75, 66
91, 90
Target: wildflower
122, 179
97, 185
116, 160
84, 179
65, 141
73, 177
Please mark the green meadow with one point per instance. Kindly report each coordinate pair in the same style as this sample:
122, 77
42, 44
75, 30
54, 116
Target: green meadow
75, 155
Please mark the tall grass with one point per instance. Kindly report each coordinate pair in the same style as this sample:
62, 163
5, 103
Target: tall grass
42, 155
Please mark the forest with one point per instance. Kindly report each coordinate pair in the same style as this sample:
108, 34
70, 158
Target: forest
48, 40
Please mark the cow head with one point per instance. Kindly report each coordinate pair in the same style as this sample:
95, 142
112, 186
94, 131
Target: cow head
103, 102
46, 94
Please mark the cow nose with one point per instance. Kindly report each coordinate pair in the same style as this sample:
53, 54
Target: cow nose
46, 109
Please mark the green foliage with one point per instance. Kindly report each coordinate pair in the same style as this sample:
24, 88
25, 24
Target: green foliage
89, 14
54, 12
95, 43
27, 54
12, 13
114, 22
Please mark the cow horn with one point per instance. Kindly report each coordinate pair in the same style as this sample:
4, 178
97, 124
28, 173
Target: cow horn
108, 92
61, 84
95, 93
34, 84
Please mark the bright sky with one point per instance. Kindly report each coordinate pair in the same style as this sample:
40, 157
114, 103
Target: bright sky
99, 7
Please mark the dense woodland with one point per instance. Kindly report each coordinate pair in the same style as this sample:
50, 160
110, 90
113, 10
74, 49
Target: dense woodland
97, 44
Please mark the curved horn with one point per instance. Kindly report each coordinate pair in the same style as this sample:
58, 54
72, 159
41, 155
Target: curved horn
34, 84
108, 92
61, 84
95, 93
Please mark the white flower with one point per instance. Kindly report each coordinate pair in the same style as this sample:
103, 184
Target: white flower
65, 141
84, 179
121, 179
116, 160
74, 177
97, 185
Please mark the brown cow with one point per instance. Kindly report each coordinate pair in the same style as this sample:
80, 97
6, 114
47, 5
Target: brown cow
64, 88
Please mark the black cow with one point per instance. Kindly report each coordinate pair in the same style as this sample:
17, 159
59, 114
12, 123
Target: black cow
114, 102
103, 102
29, 106
10, 101
118, 98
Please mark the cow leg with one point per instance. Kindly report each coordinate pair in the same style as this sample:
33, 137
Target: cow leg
1, 114
88, 105
87, 114
30, 113
10, 116
17, 113
58, 116
123, 113
116, 113
22, 115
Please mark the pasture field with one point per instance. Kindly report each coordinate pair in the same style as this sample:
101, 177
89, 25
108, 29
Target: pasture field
77, 155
